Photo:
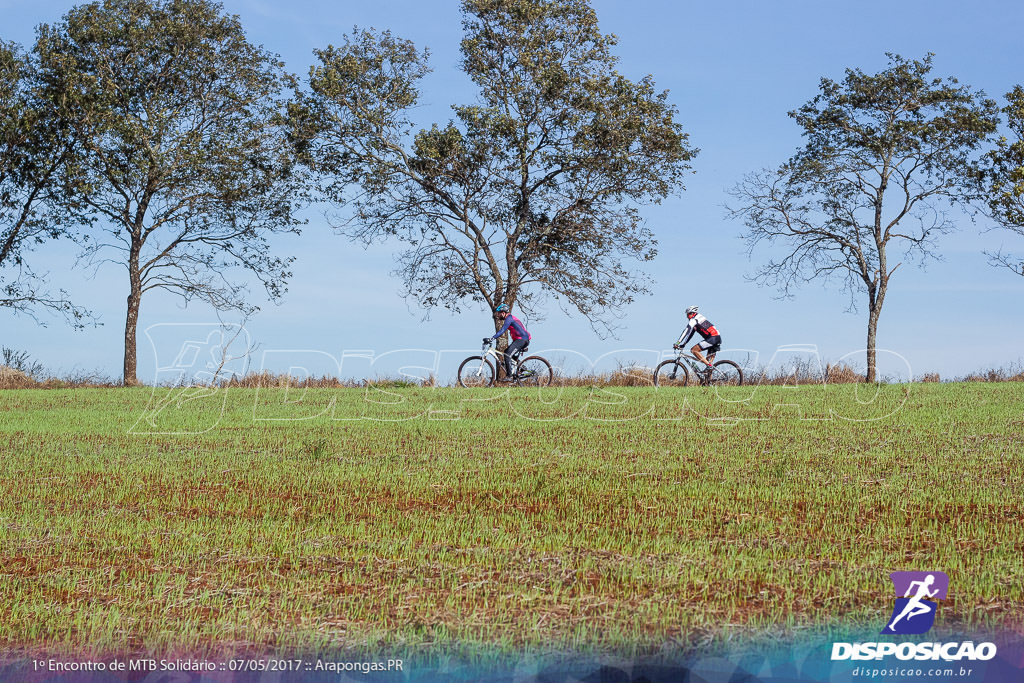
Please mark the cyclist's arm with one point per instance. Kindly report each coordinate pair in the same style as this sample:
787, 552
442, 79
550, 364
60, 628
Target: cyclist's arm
504, 328
687, 332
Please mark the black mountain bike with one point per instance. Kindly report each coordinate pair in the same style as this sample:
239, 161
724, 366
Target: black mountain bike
479, 371
675, 372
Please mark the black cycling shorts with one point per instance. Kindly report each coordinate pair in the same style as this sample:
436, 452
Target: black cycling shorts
711, 344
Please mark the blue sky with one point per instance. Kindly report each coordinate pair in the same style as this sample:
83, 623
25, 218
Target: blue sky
733, 70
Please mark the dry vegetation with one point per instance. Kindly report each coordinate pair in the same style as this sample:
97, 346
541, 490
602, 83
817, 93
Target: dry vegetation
19, 371
623, 376
16, 379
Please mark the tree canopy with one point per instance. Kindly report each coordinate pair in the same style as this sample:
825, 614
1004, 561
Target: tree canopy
34, 151
885, 153
528, 193
183, 166
1004, 188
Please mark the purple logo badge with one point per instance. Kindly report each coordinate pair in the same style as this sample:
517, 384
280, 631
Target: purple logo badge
917, 594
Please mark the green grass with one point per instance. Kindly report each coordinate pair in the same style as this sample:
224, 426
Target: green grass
628, 520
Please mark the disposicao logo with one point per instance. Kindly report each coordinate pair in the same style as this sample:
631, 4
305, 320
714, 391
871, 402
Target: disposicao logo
915, 610
917, 594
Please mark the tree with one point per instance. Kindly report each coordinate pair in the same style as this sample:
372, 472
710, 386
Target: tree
1004, 186
184, 161
34, 151
531, 192
883, 153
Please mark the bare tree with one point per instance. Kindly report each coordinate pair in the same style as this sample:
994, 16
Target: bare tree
184, 166
532, 192
885, 153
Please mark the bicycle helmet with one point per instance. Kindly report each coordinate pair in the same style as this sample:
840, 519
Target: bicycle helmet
691, 309
501, 307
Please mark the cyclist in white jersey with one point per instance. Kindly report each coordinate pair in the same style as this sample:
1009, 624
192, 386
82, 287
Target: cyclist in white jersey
711, 342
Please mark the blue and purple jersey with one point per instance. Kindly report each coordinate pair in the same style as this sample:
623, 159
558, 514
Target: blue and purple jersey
515, 328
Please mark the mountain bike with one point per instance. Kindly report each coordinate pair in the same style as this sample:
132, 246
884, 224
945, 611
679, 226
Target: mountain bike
479, 371
675, 372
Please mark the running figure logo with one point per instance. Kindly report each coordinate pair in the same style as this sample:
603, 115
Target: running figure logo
915, 610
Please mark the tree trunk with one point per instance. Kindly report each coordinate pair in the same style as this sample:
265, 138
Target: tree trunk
502, 344
132, 322
873, 314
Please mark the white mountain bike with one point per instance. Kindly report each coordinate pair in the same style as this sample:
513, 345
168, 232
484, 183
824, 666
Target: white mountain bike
480, 371
675, 372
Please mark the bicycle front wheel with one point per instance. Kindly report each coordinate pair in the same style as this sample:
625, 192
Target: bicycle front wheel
476, 371
726, 373
671, 374
535, 371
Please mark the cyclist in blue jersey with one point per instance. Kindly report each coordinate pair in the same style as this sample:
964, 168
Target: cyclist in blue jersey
516, 330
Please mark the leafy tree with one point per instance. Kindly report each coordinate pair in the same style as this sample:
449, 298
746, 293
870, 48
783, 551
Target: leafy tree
883, 153
34, 151
1005, 178
184, 160
530, 192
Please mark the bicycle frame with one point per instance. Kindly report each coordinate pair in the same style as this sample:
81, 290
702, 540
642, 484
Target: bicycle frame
482, 370
691, 360
488, 350
687, 363
694, 364
724, 372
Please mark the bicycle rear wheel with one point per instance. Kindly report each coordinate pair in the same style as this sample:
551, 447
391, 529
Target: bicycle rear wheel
535, 371
476, 371
726, 373
671, 374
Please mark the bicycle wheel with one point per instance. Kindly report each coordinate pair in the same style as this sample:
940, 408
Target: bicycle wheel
534, 371
476, 371
726, 373
671, 374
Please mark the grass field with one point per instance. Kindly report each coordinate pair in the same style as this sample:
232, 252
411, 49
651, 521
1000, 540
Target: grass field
627, 520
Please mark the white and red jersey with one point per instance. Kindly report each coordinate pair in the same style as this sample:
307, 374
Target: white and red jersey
700, 325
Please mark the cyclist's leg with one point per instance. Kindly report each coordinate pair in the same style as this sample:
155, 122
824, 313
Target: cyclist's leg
710, 346
716, 346
512, 351
697, 352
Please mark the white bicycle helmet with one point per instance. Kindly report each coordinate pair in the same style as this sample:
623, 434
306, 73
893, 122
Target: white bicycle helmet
691, 309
